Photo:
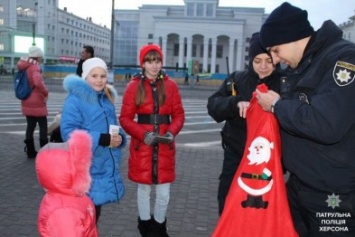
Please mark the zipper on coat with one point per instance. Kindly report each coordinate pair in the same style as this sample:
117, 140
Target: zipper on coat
110, 149
156, 130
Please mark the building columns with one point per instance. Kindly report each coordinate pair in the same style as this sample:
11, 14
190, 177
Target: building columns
181, 50
239, 60
231, 56
213, 55
205, 53
189, 49
164, 47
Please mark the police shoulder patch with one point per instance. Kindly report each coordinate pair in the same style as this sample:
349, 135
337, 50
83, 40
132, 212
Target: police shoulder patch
343, 73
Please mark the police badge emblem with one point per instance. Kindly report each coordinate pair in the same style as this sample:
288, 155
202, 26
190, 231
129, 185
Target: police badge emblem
333, 201
343, 73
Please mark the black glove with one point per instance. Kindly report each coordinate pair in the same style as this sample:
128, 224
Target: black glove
150, 138
167, 138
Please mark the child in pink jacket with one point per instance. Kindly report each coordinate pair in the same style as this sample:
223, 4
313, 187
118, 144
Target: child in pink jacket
63, 171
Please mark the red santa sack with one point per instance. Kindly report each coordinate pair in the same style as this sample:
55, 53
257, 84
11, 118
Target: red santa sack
256, 205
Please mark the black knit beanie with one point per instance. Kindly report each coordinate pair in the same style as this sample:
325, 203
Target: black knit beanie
255, 47
285, 24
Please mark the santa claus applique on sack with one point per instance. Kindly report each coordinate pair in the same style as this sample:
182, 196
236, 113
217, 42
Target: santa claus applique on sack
257, 204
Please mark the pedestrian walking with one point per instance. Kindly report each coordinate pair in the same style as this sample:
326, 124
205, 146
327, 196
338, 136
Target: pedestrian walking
35, 106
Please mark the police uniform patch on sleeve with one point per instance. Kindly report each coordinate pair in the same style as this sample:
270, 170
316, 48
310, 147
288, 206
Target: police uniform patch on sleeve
343, 73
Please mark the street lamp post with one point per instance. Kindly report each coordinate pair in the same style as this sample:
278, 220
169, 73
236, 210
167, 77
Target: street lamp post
112, 33
33, 34
34, 25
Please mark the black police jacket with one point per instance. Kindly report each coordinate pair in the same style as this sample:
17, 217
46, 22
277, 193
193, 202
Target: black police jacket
222, 106
317, 114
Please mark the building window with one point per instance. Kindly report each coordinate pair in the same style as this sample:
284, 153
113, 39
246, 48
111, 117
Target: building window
176, 49
2, 47
194, 50
209, 9
1, 21
185, 50
217, 68
190, 9
150, 36
199, 10
201, 51
247, 39
219, 53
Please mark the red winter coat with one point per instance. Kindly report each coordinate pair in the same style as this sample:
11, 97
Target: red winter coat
35, 105
140, 160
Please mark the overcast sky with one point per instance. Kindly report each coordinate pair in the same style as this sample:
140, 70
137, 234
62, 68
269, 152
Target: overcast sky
318, 10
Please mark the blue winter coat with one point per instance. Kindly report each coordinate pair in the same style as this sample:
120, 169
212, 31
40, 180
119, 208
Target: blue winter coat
92, 111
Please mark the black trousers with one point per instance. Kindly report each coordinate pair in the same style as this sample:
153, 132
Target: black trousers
98, 212
320, 214
231, 162
31, 126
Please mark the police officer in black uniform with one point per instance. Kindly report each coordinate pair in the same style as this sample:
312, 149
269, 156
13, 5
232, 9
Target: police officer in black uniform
230, 103
317, 117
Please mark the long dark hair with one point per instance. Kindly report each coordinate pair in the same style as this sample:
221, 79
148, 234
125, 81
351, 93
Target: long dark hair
141, 93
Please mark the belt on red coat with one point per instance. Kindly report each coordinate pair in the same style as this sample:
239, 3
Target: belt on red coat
153, 119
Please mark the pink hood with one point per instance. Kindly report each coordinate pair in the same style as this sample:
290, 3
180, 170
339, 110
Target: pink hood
64, 167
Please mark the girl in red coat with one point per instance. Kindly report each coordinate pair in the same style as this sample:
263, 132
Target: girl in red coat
154, 99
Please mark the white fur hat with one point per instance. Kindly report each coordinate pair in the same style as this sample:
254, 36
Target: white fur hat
91, 63
35, 52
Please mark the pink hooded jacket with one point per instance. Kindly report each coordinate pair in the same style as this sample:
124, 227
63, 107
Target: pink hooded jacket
63, 171
35, 105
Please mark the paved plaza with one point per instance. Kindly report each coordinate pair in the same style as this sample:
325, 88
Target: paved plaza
192, 212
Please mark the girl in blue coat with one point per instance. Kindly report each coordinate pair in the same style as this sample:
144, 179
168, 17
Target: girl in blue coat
90, 106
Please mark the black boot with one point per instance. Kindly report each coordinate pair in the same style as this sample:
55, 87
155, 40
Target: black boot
158, 229
30, 149
43, 142
144, 227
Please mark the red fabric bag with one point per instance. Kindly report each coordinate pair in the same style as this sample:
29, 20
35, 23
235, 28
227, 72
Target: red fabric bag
256, 205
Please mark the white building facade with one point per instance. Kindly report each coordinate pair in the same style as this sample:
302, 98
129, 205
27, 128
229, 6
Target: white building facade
348, 29
200, 34
64, 33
